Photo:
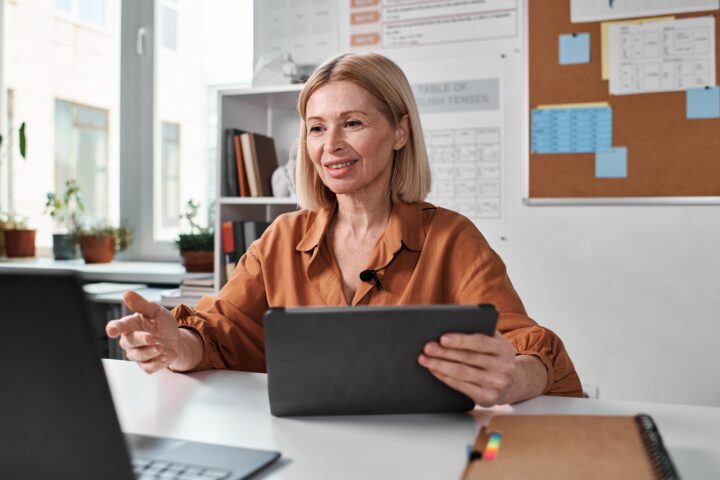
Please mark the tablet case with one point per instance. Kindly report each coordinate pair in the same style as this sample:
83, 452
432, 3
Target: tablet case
569, 447
363, 360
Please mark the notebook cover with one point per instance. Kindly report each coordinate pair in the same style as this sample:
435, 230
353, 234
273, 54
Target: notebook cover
563, 447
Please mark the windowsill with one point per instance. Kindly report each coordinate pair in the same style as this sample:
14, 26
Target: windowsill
117, 271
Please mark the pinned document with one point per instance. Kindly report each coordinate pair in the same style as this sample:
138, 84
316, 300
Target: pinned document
571, 128
703, 102
665, 56
574, 48
611, 164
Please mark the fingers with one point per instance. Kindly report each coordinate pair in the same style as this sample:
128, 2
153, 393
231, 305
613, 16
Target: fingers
482, 396
477, 342
123, 326
138, 304
144, 354
157, 363
477, 365
467, 357
491, 379
137, 339
151, 358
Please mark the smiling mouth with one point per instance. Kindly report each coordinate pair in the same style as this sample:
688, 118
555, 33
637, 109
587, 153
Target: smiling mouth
335, 166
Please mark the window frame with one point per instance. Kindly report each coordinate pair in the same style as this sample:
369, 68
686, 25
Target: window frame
137, 131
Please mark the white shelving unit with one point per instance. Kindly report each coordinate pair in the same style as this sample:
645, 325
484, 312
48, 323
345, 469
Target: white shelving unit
271, 111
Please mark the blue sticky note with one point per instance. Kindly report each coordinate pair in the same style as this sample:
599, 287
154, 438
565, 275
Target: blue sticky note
612, 163
703, 102
574, 48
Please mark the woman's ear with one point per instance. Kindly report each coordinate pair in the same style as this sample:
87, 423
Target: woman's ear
402, 132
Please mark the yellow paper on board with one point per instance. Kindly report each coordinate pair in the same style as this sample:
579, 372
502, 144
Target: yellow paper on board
604, 62
575, 105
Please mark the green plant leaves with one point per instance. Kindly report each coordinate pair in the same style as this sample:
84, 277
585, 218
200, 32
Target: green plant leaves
23, 140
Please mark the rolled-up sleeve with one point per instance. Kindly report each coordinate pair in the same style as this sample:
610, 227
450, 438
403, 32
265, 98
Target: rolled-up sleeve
230, 324
486, 281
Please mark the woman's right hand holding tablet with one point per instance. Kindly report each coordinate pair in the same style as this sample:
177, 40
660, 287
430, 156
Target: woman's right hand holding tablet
152, 339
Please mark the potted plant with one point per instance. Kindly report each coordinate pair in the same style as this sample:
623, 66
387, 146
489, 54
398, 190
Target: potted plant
9, 220
197, 247
100, 243
65, 210
19, 240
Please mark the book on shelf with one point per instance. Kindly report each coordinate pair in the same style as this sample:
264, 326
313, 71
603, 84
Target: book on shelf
260, 160
196, 291
232, 186
244, 189
194, 285
236, 239
228, 246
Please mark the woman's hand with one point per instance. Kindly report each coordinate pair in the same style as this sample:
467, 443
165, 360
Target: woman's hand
484, 368
152, 339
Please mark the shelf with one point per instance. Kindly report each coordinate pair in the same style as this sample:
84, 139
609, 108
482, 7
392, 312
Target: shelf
263, 90
257, 201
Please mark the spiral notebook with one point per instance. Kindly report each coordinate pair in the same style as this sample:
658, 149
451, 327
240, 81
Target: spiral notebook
569, 447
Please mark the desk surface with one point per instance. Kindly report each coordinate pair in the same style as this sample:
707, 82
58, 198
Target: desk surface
232, 408
115, 271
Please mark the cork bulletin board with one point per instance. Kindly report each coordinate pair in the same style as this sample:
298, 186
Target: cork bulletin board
671, 159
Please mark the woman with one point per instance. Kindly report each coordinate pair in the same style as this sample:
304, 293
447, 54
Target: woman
362, 177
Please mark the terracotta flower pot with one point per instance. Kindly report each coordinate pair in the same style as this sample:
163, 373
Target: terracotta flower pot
20, 243
197, 261
97, 249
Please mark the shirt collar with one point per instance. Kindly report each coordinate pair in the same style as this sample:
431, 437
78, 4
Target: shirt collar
315, 229
405, 227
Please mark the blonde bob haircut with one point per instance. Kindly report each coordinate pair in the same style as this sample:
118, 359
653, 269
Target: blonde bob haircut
382, 78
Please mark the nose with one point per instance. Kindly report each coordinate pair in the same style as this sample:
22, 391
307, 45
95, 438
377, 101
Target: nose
334, 140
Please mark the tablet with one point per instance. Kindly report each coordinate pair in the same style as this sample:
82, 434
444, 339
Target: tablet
363, 360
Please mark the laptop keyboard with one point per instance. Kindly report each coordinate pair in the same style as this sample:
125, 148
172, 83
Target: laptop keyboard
146, 469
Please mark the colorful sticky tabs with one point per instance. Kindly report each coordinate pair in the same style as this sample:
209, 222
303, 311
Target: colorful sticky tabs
571, 130
703, 102
612, 163
493, 447
574, 48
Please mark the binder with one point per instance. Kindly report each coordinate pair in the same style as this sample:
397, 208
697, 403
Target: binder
569, 447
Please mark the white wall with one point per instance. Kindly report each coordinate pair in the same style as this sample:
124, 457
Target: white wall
633, 291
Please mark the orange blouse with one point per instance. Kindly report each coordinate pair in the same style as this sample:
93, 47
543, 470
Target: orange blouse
433, 256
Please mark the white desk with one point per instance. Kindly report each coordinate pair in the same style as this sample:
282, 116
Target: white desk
115, 271
232, 408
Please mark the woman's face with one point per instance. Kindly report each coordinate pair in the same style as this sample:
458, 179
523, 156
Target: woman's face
350, 142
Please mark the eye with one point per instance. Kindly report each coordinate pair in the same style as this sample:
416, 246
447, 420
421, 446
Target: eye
353, 123
316, 129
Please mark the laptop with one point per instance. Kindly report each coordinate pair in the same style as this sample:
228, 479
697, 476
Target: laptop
57, 416
363, 360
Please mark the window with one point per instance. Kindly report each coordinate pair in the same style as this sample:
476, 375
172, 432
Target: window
168, 25
65, 82
81, 153
166, 59
170, 173
91, 12
199, 49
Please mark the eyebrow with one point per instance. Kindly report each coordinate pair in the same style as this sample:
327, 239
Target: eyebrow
342, 114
